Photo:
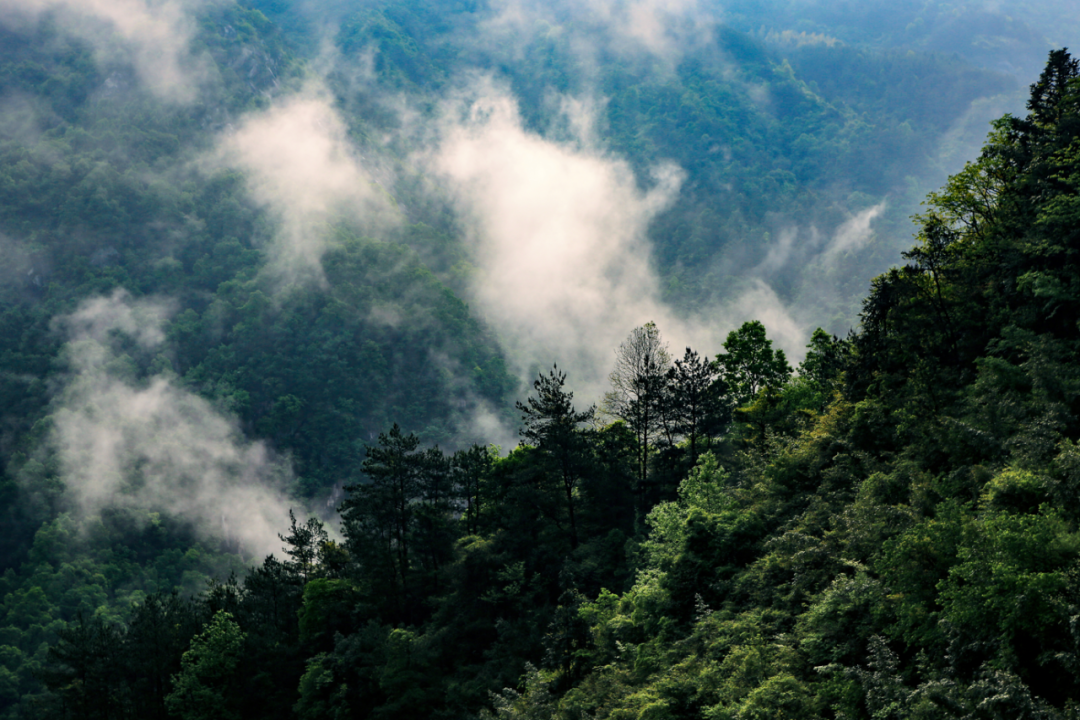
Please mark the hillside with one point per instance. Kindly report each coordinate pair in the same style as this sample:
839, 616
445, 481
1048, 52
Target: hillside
890, 532
259, 268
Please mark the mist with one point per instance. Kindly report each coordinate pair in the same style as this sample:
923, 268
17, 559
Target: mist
154, 36
556, 227
128, 442
300, 165
558, 231
664, 30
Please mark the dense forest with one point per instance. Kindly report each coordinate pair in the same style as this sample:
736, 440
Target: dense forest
276, 441
890, 531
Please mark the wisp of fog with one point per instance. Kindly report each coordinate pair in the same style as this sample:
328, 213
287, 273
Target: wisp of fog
153, 36
559, 233
150, 444
299, 164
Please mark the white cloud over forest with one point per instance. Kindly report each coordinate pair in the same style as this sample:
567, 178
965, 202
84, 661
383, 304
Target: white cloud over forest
559, 234
299, 163
125, 442
153, 35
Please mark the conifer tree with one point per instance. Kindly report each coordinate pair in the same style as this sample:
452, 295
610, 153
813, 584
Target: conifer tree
552, 424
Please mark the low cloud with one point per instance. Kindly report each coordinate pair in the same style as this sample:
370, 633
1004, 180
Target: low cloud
824, 272
964, 139
153, 35
854, 233
559, 235
20, 120
780, 252
760, 302
664, 29
17, 268
300, 164
148, 443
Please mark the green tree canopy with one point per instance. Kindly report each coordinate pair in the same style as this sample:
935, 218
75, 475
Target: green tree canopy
749, 363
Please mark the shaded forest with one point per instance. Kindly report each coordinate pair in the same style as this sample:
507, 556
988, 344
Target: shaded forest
884, 526
887, 531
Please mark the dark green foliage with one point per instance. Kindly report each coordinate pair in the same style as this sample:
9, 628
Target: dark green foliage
896, 538
100, 192
890, 532
749, 364
695, 392
552, 426
97, 671
382, 518
200, 689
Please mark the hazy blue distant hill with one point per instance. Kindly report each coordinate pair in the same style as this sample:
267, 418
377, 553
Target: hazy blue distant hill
1010, 38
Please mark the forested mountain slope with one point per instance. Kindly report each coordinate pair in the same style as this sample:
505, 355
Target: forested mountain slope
991, 35
775, 139
105, 196
890, 532
237, 280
